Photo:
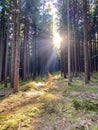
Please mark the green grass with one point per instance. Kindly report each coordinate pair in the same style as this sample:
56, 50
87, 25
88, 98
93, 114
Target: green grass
78, 85
87, 105
53, 107
22, 116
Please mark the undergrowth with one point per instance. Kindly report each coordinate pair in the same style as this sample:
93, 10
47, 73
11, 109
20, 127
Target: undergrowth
88, 105
49, 100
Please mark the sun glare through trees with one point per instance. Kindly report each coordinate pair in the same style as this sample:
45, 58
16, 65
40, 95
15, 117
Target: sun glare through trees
57, 40
48, 64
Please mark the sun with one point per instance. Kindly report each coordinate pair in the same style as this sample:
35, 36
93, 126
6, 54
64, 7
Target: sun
57, 40
53, 11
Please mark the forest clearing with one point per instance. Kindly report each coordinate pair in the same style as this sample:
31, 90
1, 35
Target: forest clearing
50, 104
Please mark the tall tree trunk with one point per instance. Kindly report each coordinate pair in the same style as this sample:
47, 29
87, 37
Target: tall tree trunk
69, 53
26, 45
75, 34
2, 48
34, 64
15, 47
1, 58
85, 41
75, 55
25, 51
6, 57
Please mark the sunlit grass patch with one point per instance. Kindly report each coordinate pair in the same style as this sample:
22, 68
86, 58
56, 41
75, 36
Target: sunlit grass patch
23, 117
16, 101
48, 97
34, 111
48, 105
30, 93
10, 102
40, 84
11, 124
29, 86
32, 86
31, 110
10, 121
49, 102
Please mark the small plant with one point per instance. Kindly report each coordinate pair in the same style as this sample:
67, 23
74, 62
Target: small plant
87, 105
78, 104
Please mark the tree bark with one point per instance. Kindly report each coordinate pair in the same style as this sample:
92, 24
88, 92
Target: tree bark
69, 53
1, 59
16, 47
86, 66
6, 55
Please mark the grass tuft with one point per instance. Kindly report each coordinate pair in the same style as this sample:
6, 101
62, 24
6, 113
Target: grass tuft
85, 104
28, 87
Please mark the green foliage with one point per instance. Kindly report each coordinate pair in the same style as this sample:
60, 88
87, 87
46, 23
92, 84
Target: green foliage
85, 104
5, 5
31, 10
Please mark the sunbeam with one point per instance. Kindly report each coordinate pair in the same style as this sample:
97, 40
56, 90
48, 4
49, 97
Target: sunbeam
57, 40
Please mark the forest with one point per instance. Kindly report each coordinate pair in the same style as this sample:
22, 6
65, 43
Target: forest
48, 64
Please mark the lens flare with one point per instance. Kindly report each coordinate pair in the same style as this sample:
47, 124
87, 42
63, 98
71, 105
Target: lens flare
57, 40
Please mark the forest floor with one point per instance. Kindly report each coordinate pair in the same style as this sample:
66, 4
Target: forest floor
51, 104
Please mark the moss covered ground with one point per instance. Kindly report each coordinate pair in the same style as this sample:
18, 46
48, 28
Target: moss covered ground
50, 104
